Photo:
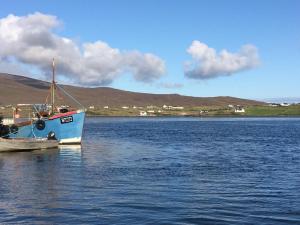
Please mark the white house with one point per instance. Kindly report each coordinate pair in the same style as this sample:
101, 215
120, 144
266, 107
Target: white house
285, 104
274, 104
178, 107
143, 113
239, 109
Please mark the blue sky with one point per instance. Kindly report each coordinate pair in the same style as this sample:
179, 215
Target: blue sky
167, 29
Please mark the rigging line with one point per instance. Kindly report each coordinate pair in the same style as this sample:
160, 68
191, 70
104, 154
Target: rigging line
46, 101
36, 110
32, 130
70, 96
60, 96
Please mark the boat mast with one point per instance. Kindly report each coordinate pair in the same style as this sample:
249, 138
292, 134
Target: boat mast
53, 87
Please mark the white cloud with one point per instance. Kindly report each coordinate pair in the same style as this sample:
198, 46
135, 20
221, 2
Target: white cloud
207, 63
31, 40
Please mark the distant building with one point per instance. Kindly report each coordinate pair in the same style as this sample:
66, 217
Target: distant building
178, 107
150, 111
106, 107
274, 104
125, 107
285, 104
239, 109
143, 113
173, 107
92, 107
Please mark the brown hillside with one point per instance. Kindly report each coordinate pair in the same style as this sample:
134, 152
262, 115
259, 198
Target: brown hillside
18, 89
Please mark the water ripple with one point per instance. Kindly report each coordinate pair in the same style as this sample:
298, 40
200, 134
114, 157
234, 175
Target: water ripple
160, 171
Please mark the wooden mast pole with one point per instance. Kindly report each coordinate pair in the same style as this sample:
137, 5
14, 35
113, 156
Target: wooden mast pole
53, 87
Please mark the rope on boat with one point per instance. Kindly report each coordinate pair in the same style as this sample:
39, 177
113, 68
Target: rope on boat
32, 130
36, 110
70, 96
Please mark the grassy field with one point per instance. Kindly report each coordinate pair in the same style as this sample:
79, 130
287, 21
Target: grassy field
293, 110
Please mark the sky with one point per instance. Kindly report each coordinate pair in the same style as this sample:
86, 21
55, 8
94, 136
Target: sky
247, 49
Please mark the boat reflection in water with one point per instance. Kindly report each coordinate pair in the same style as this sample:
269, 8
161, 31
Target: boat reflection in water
42, 179
70, 151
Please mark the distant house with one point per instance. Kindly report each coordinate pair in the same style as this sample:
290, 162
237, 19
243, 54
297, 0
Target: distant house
203, 111
274, 104
125, 107
92, 107
21, 105
134, 107
167, 107
106, 107
150, 111
239, 109
178, 107
143, 113
231, 106
285, 104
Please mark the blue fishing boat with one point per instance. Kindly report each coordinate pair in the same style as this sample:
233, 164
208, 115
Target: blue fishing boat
65, 122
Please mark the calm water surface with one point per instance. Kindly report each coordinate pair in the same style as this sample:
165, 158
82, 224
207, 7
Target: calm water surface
160, 171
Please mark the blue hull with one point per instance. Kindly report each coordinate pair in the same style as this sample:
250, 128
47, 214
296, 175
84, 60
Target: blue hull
67, 129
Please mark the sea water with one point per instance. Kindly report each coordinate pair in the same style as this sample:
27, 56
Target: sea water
160, 171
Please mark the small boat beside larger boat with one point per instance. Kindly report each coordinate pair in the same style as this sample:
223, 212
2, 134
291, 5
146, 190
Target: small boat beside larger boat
26, 144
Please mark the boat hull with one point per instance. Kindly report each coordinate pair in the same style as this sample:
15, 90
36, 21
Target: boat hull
26, 144
67, 129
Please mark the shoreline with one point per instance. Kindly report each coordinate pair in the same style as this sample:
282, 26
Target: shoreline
209, 116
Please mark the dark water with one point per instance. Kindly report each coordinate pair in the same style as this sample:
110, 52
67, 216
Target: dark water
160, 171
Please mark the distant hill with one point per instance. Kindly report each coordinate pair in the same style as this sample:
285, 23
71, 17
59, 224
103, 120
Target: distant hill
19, 89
